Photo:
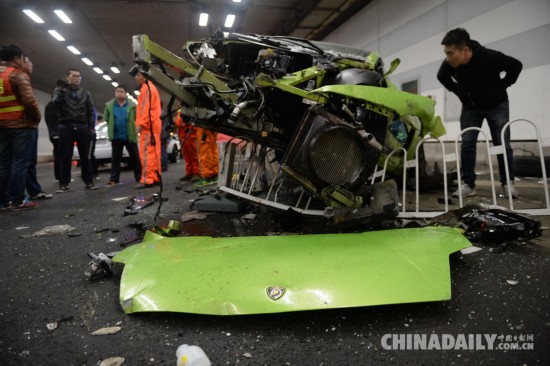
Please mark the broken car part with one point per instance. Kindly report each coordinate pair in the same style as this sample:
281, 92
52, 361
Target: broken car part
499, 226
171, 230
271, 274
327, 113
99, 266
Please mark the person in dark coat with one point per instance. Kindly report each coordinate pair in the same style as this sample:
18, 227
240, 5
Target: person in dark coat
473, 73
76, 124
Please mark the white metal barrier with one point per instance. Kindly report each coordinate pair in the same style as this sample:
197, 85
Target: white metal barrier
382, 173
489, 161
410, 164
495, 150
543, 166
417, 175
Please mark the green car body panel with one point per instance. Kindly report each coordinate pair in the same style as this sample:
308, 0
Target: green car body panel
272, 274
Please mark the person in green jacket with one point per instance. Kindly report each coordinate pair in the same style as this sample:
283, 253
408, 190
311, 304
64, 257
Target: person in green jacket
120, 115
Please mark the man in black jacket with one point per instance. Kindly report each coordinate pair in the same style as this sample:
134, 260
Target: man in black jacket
473, 73
76, 124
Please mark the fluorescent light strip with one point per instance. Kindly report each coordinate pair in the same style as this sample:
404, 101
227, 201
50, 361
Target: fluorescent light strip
98, 70
203, 19
236, 1
87, 61
115, 70
62, 16
107, 77
229, 20
31, 14
114, 84
74, 50
56, 35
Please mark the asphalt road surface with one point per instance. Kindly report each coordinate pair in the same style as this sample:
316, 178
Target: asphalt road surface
498, 292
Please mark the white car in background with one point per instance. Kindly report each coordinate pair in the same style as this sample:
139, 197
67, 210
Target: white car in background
173, 148
103, 151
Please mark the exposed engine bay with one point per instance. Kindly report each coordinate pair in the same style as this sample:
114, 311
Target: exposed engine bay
325, 114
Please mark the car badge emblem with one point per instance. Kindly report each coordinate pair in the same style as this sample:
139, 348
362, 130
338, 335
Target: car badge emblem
275, 292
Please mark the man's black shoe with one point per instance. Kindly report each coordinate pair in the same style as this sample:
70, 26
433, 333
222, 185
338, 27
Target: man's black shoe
62, 189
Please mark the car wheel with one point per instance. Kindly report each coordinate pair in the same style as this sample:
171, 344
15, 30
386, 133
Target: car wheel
174, 155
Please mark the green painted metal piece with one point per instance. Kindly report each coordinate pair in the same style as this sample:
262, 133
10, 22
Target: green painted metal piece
263, 80
400, 102
148, 51
271, 274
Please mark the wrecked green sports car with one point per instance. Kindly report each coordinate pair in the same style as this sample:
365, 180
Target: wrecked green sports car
324, 114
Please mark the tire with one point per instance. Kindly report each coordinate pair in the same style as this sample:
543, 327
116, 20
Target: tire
174, 155
529, 166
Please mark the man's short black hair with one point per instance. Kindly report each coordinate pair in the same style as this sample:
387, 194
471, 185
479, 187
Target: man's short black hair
9, 52
122, 86
458, 37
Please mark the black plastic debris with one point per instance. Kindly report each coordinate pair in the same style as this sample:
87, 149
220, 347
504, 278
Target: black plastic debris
499, 226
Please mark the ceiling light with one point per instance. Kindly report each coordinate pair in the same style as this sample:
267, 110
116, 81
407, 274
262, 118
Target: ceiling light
98, 70
87, 61
62, 16
136, 92
229, 20
56, 35
203, 19
107, 77
114, 84
236, 1
115, 70
31, 14
74, 50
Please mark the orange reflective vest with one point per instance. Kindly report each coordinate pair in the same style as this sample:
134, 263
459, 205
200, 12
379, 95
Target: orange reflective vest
10, 108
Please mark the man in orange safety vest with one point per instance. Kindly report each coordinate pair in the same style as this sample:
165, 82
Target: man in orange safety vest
19, 118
